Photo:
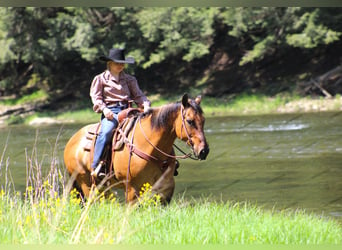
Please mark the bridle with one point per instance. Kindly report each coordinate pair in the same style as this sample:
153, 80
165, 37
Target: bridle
189, 141
161, 163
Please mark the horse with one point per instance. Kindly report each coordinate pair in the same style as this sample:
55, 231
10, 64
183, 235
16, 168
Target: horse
148, 154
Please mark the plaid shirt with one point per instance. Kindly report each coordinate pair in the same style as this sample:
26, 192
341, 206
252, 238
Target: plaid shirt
105, 91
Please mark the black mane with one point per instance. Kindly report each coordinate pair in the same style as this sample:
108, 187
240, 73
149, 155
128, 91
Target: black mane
160, 116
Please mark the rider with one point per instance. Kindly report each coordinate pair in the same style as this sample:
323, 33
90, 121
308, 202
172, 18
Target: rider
110, 92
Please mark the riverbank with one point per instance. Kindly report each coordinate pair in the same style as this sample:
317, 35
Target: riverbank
261, 105
224, 106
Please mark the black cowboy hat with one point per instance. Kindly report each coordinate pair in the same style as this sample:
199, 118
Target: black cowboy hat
118, 56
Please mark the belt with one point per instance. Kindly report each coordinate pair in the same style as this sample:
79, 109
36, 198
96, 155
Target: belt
118, 104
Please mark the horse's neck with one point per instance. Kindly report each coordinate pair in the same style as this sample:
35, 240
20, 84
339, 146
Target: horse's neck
163, 133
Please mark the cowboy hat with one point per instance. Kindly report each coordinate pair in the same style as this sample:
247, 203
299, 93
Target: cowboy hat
118, 56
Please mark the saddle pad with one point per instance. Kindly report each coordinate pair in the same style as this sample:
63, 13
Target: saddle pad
92, 132
94, 129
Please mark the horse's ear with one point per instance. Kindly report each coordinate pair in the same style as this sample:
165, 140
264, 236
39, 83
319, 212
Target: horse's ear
185, 100
198, 100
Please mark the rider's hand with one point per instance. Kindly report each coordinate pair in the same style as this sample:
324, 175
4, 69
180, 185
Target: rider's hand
108, 113
147, 106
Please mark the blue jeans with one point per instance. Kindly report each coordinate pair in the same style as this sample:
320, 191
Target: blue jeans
105, 134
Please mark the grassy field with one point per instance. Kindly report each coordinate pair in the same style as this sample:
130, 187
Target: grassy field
48, 213
58, 219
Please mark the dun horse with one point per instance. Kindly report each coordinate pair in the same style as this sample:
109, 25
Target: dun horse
148, 155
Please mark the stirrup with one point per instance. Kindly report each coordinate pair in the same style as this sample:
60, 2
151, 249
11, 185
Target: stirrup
97, 171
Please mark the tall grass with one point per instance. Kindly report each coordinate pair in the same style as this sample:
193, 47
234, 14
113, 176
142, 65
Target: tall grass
61, 220
48, 213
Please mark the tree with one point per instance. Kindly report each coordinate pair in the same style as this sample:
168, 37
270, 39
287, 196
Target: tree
56, 49
187, 32
262, 31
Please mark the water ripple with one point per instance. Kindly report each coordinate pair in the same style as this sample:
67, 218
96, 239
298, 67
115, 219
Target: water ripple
270, 128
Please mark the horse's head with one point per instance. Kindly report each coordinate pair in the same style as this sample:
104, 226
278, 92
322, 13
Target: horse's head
192, 126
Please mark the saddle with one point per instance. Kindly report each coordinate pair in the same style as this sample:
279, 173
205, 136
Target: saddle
126, 120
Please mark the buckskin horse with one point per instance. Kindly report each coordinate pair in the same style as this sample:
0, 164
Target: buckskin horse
148, 154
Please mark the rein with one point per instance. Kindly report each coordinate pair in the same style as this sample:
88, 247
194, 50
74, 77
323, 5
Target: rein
141, 154
130, 145
189, 142
162, 152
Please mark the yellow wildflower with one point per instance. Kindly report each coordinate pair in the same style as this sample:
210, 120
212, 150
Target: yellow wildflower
2, 193
146, 196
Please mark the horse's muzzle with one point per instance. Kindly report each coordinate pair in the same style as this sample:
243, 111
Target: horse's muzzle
203, 153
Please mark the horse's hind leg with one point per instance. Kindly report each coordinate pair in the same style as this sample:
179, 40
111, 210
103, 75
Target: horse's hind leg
80, 193
83, 185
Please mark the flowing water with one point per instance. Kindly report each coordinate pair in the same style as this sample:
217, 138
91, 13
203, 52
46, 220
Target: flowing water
275, 161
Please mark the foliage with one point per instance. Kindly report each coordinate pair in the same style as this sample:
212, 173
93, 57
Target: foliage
187, 32
272, 29
56, 49
312, 33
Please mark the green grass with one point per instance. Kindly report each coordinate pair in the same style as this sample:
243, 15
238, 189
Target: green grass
61, 220
33, 97
245, 104
236, 105
81, 115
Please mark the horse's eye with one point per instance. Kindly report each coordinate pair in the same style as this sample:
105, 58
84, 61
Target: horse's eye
191, 123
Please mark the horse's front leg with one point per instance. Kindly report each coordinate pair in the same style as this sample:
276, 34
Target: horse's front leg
165, 185
131, 194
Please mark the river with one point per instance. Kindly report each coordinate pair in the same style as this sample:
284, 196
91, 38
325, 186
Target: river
291, 161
